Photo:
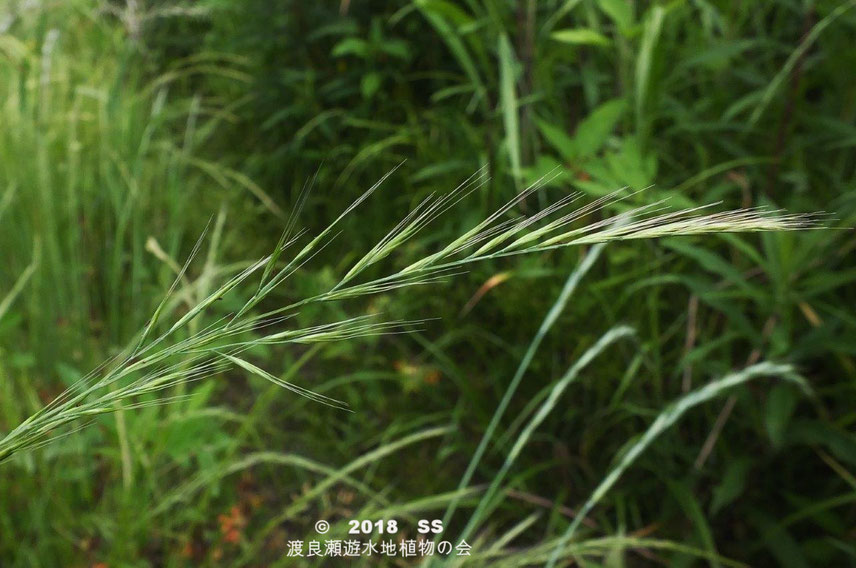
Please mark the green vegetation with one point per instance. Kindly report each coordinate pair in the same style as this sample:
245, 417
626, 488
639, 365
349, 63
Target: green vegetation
603, 370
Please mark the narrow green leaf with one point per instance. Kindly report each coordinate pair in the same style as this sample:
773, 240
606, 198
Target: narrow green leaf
580, 36
795, 56
437, 13
351, 46
558, 306
246, 365
645, 64
508, 100
666, 419
694, 512
22, 280
780, 407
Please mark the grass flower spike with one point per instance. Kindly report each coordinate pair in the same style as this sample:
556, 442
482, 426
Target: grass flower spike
147, 370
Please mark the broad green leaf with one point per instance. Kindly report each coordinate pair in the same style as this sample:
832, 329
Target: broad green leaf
544, 167
594, 130
558, 139
620, 11
631, 166
369, 84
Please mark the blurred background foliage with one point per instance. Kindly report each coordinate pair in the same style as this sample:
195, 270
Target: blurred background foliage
125, 126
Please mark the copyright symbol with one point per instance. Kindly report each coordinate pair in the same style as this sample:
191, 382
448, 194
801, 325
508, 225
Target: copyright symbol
321, 527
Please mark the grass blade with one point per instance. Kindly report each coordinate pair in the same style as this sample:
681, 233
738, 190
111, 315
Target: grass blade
665, 420
558, 306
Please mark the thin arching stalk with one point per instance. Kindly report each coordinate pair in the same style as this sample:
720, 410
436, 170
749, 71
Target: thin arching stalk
153, 364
